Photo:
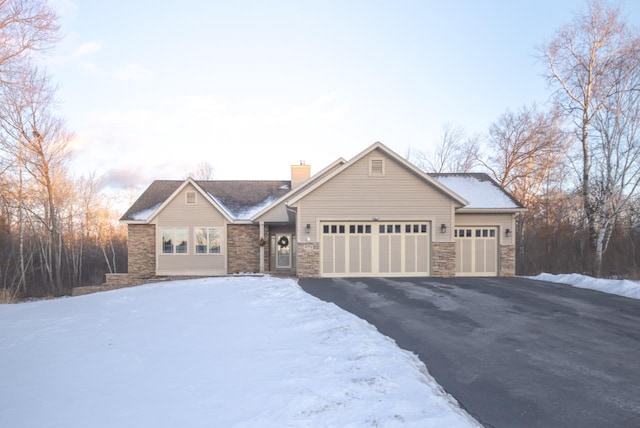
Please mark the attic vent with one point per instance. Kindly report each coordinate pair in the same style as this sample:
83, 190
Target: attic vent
191, 198
376, 167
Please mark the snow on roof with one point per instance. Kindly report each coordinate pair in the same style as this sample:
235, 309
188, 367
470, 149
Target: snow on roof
249, 212
478, 189
144, 215
246, 212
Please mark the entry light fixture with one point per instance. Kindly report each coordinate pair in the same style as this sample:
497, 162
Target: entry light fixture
376, 218
507, 233
308, 227
443, 228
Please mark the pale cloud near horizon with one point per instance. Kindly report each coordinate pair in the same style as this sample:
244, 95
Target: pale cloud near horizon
87, 48
173, 136
132, 72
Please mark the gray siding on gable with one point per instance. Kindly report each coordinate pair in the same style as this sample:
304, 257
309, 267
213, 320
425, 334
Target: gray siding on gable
354, 194
177, 213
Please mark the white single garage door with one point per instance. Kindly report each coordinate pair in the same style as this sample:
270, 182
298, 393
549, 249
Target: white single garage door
476, 251
375, 248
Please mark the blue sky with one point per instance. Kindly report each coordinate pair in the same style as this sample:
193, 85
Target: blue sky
152, 88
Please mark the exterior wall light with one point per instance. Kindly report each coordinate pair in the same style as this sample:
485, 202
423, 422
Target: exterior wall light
507, 233
308, 228
443, 228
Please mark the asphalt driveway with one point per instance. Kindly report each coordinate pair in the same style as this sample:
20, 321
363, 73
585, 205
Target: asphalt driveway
514, 352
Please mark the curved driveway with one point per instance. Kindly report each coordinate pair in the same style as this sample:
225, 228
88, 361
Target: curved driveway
514, 352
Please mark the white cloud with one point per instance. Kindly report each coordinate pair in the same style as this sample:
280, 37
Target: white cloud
90, 67
132, 72
87, 48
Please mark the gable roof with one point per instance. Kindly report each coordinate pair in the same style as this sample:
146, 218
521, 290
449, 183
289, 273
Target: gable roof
482, 191
393, 155
236, 199
300, 187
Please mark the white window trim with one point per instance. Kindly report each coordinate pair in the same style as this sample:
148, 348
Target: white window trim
195, 231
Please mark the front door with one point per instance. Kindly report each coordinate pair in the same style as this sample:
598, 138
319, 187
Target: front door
283, 251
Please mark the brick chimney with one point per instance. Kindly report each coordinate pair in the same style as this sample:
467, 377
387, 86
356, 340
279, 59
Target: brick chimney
299, 174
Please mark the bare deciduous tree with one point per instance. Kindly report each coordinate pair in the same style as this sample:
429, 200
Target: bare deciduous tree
203, 171
33, 134
26, 26
616, 147
527, 151
455, 152
586, 60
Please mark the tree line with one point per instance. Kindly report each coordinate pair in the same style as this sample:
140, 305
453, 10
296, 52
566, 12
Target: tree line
575, 163
56, 230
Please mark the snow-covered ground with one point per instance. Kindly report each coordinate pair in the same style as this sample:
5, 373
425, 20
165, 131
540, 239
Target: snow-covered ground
225, 352
623, 287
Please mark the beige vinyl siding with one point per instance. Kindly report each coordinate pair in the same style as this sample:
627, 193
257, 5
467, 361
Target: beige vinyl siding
356, 195
178, 214
276, 214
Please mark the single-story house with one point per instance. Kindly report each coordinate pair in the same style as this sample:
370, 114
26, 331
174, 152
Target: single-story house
374, 215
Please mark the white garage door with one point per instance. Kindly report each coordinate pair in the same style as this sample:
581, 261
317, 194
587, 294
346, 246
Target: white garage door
375, 249
476, 251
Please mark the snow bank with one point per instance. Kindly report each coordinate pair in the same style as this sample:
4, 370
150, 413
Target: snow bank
613, 286
224, 352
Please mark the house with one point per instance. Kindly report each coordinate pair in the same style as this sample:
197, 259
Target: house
374, 215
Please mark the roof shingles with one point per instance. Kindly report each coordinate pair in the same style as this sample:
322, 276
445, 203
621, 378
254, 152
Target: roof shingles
240, 198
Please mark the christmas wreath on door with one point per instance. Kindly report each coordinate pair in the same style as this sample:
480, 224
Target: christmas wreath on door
283, 241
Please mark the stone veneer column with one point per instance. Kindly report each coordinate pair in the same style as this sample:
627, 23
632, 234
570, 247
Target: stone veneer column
141, 250
308, 259
267, 248
243, 248
507, 260
443, 255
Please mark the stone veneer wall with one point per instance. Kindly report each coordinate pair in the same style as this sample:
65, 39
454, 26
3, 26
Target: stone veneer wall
308, 259
443, 256
142, 250
243, 249
507, 260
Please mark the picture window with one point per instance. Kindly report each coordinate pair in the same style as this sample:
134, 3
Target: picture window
207, 240
174, 241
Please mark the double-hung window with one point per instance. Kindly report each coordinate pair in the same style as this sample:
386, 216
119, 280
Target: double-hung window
174, 240
207, 240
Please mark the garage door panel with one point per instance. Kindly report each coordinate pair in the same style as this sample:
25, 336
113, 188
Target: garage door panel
366, 254
396, 254
481, 250
422, 253
410, 254
355, 251
327, 254
384, 247
492, 253
339, 249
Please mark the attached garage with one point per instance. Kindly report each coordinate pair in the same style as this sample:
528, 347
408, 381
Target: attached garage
476, 251
387, 248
